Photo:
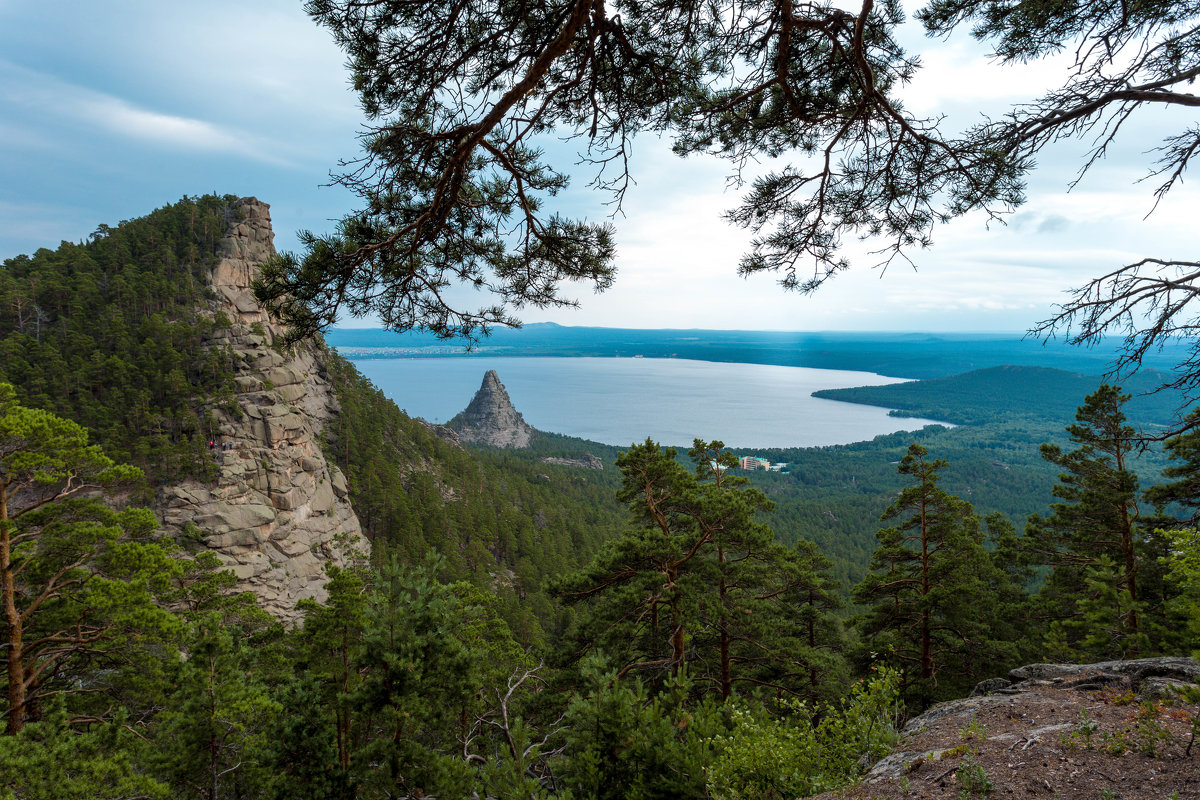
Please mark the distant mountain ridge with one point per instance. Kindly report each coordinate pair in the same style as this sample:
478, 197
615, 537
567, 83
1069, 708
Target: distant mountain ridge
901, 355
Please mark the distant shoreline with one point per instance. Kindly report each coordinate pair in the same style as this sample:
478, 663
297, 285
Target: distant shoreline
895, 355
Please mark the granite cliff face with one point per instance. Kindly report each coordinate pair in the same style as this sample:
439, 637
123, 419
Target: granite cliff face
490, 418
278, 511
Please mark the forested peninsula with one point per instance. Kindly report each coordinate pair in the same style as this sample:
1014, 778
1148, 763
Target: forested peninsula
231, 568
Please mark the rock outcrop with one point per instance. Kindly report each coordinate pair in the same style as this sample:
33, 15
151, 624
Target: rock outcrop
586, 461
442, 432
490, 419
278, 511
1115, 729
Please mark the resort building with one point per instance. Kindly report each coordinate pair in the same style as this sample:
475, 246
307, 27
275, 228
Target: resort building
754, 462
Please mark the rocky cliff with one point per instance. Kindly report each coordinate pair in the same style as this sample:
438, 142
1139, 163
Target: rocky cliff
1116, 729
586, 461
278, 511
490, 418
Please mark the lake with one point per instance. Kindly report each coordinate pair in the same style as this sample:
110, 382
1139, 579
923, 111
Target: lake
623, 400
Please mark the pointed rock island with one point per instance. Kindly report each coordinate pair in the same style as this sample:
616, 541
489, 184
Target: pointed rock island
491, 419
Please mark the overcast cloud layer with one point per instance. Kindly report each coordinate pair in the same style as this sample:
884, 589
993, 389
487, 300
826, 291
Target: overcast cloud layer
108, 110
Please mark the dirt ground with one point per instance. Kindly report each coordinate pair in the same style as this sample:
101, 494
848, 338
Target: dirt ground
1089, 737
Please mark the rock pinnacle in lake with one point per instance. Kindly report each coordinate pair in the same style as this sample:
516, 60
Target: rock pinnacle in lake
490, 419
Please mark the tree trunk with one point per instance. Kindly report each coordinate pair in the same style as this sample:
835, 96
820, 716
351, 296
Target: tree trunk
926, 644
214, 743
343, 736
726, 678
678, 656
812, 639
1129, 552
14, 647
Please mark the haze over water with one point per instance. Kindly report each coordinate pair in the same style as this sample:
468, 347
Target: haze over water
623, 400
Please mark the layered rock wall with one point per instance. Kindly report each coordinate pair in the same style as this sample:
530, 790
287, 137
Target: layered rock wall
278, 511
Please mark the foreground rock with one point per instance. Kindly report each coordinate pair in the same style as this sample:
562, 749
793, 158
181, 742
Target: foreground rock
278, 511
1109, 730
490, 419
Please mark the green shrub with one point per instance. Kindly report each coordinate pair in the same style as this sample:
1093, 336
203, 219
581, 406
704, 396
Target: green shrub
973, 730
766, 757
972, 778
623, 742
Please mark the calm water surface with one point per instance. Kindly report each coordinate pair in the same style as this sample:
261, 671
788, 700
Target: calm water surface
624, 400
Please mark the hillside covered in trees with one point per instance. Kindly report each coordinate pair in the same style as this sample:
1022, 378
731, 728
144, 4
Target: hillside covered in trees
659, 628
116, 334
110, 333
1013, 393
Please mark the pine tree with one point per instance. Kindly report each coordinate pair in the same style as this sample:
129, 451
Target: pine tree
301, 750
1176, 514
926, 579
737, 548
209, 738
786, 636
76, 577
330, 646
816, 598
1183, 486
649, 583
1093, 535
1184, 572
699, 582
399, 681
625, 741
218, 707
54, 760
1006, 585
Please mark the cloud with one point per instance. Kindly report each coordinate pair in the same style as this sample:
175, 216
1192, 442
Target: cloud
222, 94
963, 73
38, 93
1053, 224
125, 119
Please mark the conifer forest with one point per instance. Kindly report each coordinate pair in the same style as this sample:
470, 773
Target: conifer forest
232, 568
663, 627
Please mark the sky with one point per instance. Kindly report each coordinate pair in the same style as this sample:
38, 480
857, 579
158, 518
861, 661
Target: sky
109, 110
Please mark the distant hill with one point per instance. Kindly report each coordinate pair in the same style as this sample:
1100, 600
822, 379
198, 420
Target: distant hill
1000, 393
834, 495
901, 355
